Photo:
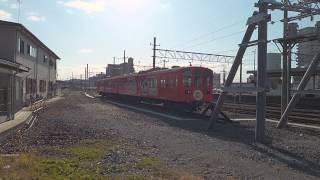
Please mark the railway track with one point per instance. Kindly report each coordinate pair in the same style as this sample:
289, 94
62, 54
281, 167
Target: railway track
305, 116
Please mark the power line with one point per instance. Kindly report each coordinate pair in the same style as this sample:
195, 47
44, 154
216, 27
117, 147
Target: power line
208, 34
218, 38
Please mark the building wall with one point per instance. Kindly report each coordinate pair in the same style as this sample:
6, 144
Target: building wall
306, 52
39, 70
273, 61
7, 43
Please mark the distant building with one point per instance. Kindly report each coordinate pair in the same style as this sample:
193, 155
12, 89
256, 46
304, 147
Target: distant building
28, 68
306, 52
93, 80
216, 81
120, 69
273, 83
273, 61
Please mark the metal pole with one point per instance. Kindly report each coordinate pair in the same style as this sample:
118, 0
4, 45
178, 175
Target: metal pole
233, 71
19, 10
124, 62
254, 60
285, 75
87, 77
314, 82
154, 52
289, 73
312, 68
240, 81
262, 74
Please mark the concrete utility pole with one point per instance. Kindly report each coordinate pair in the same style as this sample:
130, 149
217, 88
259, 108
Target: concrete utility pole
262, 74
240, 81
285, 63
254, 59
310, 71
154, 52
114, 60
87, 76
124, 62
19, 10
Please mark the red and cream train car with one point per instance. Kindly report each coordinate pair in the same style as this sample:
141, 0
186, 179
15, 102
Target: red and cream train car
187, 87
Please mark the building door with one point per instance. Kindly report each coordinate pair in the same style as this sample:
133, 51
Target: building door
4, 96
18, 94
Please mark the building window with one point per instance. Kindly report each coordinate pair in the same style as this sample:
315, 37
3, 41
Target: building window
28, 49
43, 86
45, 59
31, 51
50, 63
21, 46
31, 86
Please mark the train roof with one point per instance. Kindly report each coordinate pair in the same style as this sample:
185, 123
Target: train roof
157, 71
172, 70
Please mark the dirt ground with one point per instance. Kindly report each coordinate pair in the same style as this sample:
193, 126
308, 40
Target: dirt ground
103, 141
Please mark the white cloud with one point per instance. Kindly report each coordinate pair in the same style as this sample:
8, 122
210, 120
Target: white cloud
4, 15
36, 18
32, 16
65, 71
69, 11
85, 5
85, 51
14, 6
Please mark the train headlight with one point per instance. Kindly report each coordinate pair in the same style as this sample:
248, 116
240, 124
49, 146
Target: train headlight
198, 95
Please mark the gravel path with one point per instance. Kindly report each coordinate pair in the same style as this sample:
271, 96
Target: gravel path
226, 152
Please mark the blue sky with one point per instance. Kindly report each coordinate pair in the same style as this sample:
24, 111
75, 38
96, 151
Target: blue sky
94, 31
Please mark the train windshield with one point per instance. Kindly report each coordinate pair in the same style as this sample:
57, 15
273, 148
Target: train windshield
198, 79
187, 78
207, 78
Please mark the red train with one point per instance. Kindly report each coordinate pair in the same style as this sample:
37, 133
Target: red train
183, 87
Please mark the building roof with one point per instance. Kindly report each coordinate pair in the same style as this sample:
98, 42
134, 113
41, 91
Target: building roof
22, 28
13, 66
294, 72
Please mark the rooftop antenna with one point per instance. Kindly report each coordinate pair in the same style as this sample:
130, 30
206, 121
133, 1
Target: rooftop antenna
19, 9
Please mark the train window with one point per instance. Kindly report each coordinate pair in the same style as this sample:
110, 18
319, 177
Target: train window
207, 79
177, 81
187, 82
208, 82
198, 79
187, 78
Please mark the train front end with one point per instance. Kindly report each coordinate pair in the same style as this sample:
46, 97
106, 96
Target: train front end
196, 88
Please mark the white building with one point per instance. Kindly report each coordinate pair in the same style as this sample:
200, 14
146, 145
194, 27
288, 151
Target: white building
20, 46
306, 52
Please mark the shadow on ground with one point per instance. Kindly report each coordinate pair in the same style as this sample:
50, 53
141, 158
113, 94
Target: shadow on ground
244, 133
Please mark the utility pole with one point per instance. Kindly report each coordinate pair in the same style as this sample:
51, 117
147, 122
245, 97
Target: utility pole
81, 82
254, 59
154, 49
114, 60
89, 86
19, 9
164, 63
154, 52
262, 73
240, 80
224, 76
87, 76
285, 63
124, 62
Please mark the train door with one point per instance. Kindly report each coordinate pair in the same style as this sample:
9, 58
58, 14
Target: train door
144, 87
153, 86
187, 84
